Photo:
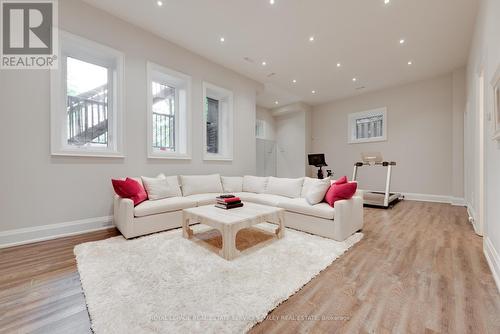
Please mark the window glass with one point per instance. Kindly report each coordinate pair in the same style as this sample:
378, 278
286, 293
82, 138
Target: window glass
164, 120
87, 103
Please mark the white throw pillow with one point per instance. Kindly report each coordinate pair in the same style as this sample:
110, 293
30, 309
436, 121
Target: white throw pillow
160, 187
308, 183
317, 191
201, 184
232, 184
284, 187
254, 184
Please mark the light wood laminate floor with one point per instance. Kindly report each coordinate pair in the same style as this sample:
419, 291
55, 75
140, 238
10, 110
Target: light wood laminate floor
419, 269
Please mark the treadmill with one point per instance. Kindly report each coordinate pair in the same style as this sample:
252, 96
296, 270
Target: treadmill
378, 199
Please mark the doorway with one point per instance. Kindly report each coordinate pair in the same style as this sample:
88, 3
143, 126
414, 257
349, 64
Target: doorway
266, 157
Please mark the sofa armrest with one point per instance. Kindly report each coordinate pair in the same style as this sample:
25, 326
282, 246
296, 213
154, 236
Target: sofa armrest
348, 217
123, 215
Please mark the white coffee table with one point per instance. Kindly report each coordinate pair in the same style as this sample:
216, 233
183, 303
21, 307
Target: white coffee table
229, 222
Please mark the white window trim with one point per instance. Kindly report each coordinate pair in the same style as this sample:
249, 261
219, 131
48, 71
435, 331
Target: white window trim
152, 154
351, 126
76, 46
222, 94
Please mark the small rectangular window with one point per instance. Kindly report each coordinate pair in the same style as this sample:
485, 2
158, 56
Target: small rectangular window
367, 126
218, 120
212, 125
168, 113
260, 130
86, 99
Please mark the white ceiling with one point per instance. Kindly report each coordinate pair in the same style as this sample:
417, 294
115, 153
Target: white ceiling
363, 35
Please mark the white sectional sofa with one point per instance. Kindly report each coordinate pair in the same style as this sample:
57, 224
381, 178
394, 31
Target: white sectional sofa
158, 215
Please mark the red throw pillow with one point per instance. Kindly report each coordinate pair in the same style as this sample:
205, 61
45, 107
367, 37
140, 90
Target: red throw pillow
130, 188
341, 191
342, 180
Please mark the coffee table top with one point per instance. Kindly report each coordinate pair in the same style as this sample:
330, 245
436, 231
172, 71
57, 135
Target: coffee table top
248, 211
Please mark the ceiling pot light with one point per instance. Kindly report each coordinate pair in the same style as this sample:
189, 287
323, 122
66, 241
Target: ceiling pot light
313, 92
402, 41
271, 2
222, 39
264, 63
311, 39
387, 1
339, 64
159, 3
410, 63
294, 81
354, 79
276, 102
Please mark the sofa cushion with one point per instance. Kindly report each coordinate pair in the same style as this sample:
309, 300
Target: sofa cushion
317, 191
232, 184
204, 199
130, 188
284, 187
159, 187
264, 199
254, 184
309, 183
148, 208
300, 205
339, 192
201, 184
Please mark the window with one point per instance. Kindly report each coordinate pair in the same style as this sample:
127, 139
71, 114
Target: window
86, 99
260, 129
367, 126
168, 113
218, 122
212, 125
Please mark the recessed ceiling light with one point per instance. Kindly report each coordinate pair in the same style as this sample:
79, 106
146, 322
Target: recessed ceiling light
264, 63
311, 39
339, 64
354, 79
159, 3
387, 1
410, 63
222, 39
294, 81
271, 2
402, 41
313, 91
276, 102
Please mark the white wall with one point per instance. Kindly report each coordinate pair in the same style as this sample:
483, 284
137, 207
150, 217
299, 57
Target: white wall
485, 54
264, 114
292, 126
458, 113
420, 134
38, 189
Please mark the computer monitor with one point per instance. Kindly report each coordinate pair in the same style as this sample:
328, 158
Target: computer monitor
317, 160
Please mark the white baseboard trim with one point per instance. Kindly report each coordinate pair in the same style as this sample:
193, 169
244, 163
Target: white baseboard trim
47, 232
457, 201
434, 198
493, 260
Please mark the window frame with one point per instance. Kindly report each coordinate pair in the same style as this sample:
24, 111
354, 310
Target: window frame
262, 124
351, 126
181, 82
94, 53
226, 122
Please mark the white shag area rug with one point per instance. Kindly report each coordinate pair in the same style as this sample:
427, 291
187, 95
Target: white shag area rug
164, 283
